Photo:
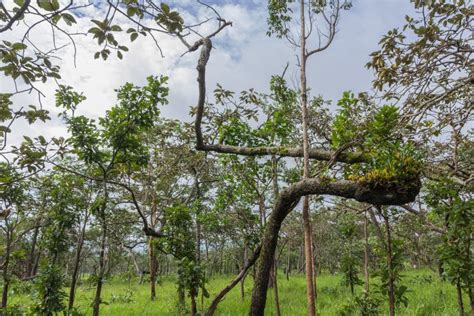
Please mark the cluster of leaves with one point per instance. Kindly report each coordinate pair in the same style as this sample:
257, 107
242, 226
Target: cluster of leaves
168, 21
181, 243
454, 206
118, 141
31, 69
363, 304
278, 128
439, 50
104, 33
348, 230
50, 293
61, 195
397, 267
390, 159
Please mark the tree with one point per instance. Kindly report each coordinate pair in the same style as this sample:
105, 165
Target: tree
115, 148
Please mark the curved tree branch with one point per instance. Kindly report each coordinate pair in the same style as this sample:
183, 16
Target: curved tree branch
16, 17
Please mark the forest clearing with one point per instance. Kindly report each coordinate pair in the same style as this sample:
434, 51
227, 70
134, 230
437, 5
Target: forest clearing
227, 157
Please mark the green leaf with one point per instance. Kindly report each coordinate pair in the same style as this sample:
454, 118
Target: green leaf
133, 36
165, 8
116, 28
19, 46
48, 5
68, 18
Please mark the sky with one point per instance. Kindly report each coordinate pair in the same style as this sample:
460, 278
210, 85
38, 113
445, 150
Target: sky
244, 57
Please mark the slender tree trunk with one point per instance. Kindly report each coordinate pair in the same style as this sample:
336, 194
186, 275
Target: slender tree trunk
391, 285
308, 244
242, 281
102, 262
153, 263
366, 255
275, 288
460, 300
261, 209
6, 274
31, 257
315, 272
288, 264
471, 299
77, 260
193, 303
311, 307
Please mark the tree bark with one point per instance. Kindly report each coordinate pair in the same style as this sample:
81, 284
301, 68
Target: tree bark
471, 299
366, 255
308, 243
153, 263
6, 274
32, 256
460, 300
391, 285
102, 262
242, 281
275, 288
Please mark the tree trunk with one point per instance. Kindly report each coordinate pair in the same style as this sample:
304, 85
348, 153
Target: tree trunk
308, 244
31, 258
471, 299
391, 285
275, 288
77, 259
242, 282
153, 262
366, 255
269, 243
6, 275
308, 253
288, 264
193, 303
460, 300
102, 262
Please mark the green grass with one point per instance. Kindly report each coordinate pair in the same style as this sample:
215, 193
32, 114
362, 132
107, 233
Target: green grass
428, 296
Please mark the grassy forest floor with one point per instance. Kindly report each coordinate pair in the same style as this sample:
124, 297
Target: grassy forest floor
428, 295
